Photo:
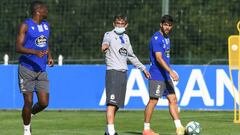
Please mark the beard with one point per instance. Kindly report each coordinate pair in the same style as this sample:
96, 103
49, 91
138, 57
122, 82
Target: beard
165, 32
44, 17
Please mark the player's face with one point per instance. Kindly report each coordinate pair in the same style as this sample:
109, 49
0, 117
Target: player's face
43, 11
166, 28
120, 23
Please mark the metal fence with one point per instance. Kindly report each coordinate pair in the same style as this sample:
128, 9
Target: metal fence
77, 27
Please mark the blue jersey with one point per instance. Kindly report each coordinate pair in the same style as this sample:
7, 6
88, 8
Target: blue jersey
36, 38
159, 43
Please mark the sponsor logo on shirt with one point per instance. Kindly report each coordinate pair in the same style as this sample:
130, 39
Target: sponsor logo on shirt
122, 51
41, 41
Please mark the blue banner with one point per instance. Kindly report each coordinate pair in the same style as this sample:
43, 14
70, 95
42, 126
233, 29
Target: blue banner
83, 87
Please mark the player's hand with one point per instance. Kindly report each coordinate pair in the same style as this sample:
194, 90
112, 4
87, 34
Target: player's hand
174, 76
147, 74
105, 48
50, 62
40, 53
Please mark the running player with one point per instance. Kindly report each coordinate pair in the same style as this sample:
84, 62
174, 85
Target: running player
32, 43
161, 72
116, 45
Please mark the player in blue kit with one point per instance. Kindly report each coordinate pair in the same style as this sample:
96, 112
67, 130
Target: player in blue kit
32, 43
160, 82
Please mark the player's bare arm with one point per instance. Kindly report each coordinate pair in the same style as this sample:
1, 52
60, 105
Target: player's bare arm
50, 59
104, 47
161, 62
20, 40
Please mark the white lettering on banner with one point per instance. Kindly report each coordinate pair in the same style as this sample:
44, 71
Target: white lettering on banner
222, 80
103, 99
142, 92
196, 76
136, 76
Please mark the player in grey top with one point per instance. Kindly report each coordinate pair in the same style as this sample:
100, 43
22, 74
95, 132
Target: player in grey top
118, 50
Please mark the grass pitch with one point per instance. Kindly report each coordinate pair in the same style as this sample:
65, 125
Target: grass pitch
127, 122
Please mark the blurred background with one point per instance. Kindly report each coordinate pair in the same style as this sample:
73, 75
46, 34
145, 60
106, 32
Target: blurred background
77, 28
199, 54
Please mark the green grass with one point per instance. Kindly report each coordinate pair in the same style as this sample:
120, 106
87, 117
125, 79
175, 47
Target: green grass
127, 122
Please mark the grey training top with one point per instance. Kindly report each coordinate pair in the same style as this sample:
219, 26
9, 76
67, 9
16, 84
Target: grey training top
119, 51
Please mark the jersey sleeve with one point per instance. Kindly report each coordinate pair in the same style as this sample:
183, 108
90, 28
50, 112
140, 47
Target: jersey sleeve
133, 58
157, 44
106, 39
26, 22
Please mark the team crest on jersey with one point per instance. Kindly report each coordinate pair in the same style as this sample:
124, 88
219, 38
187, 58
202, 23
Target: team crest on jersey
122, 51
41, 41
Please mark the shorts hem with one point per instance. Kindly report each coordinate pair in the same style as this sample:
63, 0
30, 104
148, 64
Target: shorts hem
113, 104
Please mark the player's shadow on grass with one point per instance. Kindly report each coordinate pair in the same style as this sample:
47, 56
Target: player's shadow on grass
139, 133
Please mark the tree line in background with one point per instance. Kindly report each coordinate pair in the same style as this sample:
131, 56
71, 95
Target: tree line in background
199, 36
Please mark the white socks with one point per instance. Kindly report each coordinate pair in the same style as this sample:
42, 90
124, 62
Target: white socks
111, 129
178, 123
32, 115
27, 129
146, 126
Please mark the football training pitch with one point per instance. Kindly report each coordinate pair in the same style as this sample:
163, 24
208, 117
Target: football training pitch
53, 122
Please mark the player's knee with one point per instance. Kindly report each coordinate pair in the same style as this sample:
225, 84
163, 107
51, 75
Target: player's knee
153, 101
173, 100
28, 103
43, 104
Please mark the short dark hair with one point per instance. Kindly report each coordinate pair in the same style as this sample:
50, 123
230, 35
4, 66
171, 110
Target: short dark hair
119, 17
36, 5
167, 19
